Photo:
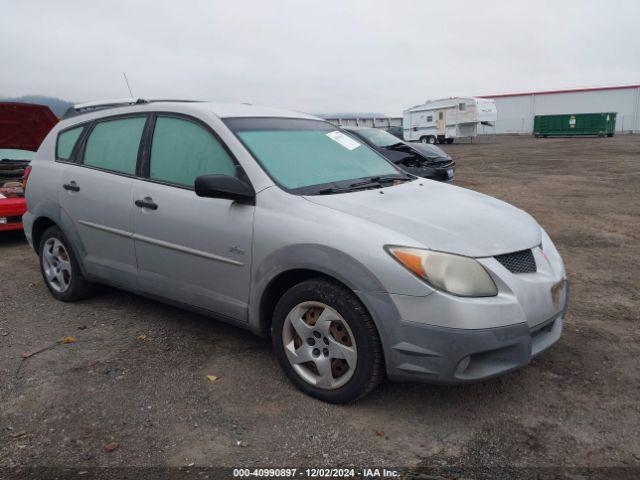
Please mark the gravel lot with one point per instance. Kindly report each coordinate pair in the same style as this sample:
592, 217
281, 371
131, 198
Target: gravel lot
137, 375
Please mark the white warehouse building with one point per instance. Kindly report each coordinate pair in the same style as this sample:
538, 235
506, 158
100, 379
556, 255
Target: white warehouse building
517, 110
376, 120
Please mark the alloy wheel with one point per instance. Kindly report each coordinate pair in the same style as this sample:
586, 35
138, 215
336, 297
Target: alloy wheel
56, 265
319, 345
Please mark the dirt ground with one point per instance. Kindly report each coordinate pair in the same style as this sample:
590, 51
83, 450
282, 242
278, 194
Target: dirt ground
137, 375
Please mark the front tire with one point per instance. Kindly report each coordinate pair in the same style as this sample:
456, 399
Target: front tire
326, 342
60, 269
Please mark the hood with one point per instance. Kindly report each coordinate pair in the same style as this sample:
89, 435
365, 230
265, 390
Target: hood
442, 217
23, 126
410, 157
430, 151
396, 156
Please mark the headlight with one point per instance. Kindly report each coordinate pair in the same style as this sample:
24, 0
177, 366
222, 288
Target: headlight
550, 252
455, 274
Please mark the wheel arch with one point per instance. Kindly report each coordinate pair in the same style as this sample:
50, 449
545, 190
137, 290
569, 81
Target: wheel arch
40, 225
291, 265
279, 285
49, 215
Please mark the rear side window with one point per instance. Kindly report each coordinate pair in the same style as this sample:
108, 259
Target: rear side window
183, 150
66, 141
113, 145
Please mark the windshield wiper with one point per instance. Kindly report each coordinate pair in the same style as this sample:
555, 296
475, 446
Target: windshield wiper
369, 182
351, 188
382, 178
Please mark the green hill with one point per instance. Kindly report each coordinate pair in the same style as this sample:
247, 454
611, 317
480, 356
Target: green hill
57, 105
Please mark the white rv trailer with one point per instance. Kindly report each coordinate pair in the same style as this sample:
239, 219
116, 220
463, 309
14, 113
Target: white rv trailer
447, 119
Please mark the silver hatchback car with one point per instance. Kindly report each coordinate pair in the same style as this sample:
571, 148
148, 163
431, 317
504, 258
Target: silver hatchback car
283, 224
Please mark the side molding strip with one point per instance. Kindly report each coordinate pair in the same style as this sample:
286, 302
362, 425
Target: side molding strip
191, 251
115, 231
162, 243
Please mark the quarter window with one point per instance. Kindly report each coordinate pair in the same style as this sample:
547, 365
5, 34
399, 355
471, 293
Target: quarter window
66, 141
114, 144
183, 150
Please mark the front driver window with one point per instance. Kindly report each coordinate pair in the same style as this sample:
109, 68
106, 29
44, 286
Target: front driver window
183, 150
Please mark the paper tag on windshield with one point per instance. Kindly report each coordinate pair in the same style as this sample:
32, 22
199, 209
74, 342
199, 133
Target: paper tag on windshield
344, 140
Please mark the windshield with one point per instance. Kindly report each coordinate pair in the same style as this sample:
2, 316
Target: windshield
15, 154
299, 153
379, 138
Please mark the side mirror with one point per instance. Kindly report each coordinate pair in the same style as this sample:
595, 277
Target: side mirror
225, 186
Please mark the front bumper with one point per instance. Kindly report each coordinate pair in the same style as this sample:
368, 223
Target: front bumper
433, 354
431, 172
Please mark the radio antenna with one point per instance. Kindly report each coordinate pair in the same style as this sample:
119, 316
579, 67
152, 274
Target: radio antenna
124, 74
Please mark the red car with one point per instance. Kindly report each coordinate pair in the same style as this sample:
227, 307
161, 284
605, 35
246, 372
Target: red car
23, 126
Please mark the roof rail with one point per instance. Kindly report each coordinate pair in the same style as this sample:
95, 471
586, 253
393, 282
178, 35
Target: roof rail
108, 103
174, 100
100, 105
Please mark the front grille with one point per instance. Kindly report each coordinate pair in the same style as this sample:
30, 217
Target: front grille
518, 262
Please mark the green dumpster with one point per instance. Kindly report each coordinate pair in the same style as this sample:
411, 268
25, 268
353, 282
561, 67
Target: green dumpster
600, 124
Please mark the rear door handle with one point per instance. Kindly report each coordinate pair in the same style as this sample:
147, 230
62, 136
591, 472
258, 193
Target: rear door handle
72, 186
146, 203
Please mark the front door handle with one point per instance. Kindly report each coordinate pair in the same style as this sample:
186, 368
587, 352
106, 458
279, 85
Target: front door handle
146, 203
72, 186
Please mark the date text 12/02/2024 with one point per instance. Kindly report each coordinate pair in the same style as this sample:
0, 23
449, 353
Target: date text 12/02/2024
315, 473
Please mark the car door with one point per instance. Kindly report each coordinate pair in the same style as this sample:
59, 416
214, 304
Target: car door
193, 250
441, 122
97, 195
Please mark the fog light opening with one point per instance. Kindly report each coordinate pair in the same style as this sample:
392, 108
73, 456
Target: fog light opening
463, 364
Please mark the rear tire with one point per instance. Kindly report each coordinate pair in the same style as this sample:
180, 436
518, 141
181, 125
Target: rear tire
59, 267
449, 140
312, 322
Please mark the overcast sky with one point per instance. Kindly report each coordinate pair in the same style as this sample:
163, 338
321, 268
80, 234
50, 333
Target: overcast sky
320, 56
